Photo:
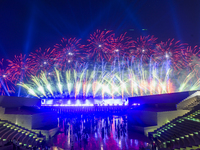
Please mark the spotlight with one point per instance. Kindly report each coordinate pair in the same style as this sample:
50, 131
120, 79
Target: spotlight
45, 62
42, 101
4, 76
99, 45
69, 61
143, 50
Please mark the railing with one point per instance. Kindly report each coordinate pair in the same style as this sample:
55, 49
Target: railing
20, 127
189, 103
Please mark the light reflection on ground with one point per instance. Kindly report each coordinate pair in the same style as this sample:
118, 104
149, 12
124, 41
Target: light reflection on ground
99, 133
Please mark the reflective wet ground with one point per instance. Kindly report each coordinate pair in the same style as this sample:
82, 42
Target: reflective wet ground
98, 133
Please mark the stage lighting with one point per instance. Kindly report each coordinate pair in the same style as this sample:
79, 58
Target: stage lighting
43, 101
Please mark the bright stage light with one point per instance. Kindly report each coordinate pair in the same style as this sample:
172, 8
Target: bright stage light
116, 50
100, 45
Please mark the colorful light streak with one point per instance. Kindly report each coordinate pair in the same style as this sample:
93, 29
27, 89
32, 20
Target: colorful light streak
132, 80
106, 66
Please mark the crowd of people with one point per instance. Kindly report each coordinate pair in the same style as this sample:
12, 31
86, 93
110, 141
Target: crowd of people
81, 127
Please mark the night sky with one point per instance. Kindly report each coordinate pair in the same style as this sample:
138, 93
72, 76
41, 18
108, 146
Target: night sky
26, 25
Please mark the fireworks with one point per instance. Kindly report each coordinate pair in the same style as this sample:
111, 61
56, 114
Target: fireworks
6, 85
144, 48
99, 47
135, 80
173, 52
107, 66
19, 68
41, 60
68, 53
121, 46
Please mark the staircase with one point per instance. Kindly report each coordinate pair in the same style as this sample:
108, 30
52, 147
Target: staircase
182, 132
27, 138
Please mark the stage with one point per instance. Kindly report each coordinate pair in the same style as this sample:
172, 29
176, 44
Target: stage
83, 102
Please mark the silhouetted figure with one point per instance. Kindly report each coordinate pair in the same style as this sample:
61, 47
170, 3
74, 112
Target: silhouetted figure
18, 145
103, 133
14, 144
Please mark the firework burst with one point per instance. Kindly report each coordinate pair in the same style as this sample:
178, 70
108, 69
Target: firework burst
68, 52
191, 54
171, 51
121, 46
99, 47
41, 60
18, 68
144, 48
6, 85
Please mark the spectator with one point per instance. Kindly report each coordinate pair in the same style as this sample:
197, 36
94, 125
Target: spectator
14, 144
1, 143
18, 145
